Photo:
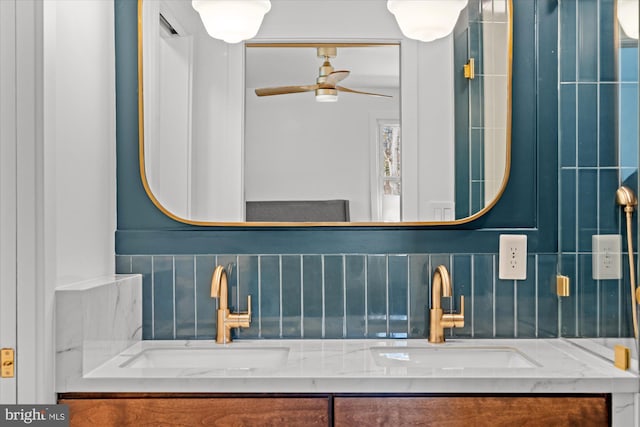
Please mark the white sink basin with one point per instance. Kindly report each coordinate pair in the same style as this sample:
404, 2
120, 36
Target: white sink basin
454, 357
209, 358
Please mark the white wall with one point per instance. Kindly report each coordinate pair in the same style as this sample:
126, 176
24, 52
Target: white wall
193, 186
436, 148
83, 108
217, 187
217, 149
79, 157
300, 149
174, 124
426, 88
65, 179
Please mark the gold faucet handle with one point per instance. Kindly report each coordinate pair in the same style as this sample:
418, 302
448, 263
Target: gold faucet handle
455, 320
239, 320
246, 316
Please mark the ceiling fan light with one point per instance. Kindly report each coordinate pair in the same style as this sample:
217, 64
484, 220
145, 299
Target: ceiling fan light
326, 95
628, 17
327, 98
232, 20
426, 20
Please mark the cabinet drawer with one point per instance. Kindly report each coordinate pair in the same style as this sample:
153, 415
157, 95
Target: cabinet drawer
472, 411
222, 411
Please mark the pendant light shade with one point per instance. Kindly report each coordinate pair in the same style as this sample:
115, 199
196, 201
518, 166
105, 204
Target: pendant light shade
232, 20
628, 17
426, 20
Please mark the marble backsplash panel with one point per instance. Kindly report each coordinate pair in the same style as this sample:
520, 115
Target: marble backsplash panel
95, 320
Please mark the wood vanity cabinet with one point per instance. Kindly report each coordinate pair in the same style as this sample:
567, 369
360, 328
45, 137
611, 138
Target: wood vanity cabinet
474, 411
153, 410
131, 409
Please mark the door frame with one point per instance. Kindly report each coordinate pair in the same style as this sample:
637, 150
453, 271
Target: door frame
8, 190
26, 311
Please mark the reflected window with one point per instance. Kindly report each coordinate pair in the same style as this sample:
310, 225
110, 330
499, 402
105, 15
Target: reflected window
390, 183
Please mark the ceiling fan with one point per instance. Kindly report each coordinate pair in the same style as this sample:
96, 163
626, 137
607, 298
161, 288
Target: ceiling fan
326, 87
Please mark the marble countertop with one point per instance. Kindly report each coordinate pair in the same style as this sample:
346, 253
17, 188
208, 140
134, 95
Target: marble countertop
355, 366
604, 347
99, 349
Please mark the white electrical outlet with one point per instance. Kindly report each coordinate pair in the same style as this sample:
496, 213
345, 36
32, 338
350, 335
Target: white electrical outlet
606, 256
513, 257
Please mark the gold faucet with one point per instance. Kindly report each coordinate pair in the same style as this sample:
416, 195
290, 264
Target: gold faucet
226, 319
441, 287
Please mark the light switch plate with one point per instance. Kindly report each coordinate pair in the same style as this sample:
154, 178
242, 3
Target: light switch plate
606, 250
513, 257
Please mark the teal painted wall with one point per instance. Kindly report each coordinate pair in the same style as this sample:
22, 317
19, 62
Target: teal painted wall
374, 281
523, 208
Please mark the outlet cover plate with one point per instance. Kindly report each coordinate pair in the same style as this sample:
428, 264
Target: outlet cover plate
606, 258
513, 257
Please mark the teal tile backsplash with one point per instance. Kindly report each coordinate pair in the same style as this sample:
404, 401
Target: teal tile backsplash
347, 296
598, 152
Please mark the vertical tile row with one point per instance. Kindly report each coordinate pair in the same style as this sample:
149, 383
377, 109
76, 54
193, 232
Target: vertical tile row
461, 275
247, 282
419, 295
398, 296
376, 301
356, 296
546, 300
291, 296
526, 318
334, 296
270, 296
312, 301
205, 307
361, 296
598, 149
185, 297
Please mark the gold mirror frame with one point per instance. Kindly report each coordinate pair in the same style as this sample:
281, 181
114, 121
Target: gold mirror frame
465, 220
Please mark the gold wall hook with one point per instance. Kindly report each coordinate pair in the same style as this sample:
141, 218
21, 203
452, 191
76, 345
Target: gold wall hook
563, 287
470, 69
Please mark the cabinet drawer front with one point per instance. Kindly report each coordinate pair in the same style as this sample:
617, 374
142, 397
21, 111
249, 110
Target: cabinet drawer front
198, 411
472, 411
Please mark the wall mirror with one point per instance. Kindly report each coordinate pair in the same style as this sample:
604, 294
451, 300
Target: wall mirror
423, 145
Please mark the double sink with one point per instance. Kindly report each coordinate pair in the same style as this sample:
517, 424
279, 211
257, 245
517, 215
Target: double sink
357, 366
230, 357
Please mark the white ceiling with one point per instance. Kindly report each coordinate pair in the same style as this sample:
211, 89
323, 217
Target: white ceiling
372, 67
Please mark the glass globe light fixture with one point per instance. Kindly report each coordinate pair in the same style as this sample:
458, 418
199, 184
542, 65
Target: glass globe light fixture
426, 20
628, 17
232, 20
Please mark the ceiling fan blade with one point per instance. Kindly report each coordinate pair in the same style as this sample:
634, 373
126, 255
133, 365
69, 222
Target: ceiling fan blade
283, 90
335, 77
345, 89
